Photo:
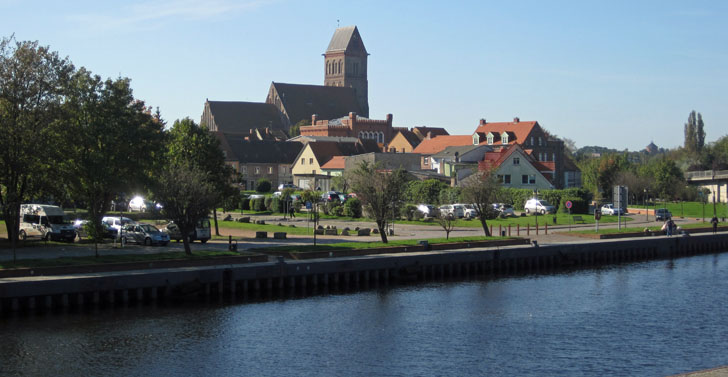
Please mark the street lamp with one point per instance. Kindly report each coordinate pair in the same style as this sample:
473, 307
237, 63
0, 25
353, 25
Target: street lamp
647, 211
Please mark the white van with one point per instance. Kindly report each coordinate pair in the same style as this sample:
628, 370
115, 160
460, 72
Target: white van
117, 222
46, 222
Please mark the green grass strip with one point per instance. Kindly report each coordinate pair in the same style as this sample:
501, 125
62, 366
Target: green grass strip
374, 245
105, 259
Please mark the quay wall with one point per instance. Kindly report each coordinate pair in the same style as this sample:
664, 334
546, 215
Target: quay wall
24, 294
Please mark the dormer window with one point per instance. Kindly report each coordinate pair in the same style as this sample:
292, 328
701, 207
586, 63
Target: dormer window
490, 138
504, 138
476, 139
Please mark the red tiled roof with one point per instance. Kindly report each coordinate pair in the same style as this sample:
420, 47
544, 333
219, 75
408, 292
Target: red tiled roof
335, 163
519, 129
434, 131
439, 143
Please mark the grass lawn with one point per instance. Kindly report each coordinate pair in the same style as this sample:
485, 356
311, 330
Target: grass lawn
561, 219
90, 260
373, 245
693, 209
656, 227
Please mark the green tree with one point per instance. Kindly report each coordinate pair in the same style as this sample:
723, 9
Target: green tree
381, 192
33, 86
427, 191
188, 142
188, 194
110, 132
263, 185
295, 129
481, 190
694, 133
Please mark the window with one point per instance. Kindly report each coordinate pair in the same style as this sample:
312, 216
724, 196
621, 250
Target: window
426, 160
553, 157
490, 139
528, 179
539, 141
476, 139
532, 140
303, 161
313, 172
270, 170
257, 170
505, 179
245, 169
516, 160
310, 161
504, 138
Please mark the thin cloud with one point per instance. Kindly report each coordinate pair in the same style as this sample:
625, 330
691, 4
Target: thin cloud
153, 13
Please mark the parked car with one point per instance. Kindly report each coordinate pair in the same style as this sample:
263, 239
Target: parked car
201, 232
138, 204
469, 211
117, 222
504, 210
662, 214
453, 211
80, 227
427, 210
541, 206
283, 186
331, 196
146, 234
45, 221
256, 196
611, 210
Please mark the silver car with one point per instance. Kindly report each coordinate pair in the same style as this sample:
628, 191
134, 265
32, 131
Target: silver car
146, 234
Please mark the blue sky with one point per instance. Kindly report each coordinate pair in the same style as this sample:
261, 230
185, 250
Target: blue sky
617, 74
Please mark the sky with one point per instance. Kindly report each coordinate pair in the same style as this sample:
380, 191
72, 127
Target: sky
617, 74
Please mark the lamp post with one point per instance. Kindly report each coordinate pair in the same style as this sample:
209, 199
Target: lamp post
647, 211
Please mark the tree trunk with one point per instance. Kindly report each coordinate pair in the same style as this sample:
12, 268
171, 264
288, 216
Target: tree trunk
186, 242
485, 227
382, 232
214, 215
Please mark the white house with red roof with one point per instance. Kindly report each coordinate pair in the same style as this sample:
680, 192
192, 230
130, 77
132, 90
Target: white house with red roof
546, 151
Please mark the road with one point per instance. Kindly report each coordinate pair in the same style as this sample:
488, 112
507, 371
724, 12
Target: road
246, 239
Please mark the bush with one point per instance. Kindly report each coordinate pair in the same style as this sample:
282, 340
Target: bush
450, 195
259, 205
231, 203
276, 205
579, 205
268, 203
333, 208
408, 211
263, 185
352, 208
245, 204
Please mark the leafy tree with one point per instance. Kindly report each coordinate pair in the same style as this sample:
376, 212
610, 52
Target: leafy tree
263, 185
482, 189
450, 195
352, 208
33, 85
427, 191
188, 142
295, 129
381, 192
188, 195
446, 221
110, 133
694, 133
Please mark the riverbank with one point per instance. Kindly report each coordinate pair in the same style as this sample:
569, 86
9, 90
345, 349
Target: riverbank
275, 278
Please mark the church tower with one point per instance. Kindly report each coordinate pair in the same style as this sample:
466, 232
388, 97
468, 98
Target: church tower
345, 63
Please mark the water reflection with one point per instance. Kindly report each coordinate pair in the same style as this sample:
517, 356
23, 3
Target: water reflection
654, 318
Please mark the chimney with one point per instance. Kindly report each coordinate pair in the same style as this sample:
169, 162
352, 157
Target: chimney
389, 119
313, 119
482, 121
516, 120
429, 135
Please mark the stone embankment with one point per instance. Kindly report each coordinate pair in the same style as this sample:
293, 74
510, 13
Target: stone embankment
273, 279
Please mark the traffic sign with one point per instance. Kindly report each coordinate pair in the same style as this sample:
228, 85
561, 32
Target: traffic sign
308, 205
597, 214
568, 204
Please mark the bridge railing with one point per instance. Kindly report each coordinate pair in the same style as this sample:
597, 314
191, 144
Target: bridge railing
706, 174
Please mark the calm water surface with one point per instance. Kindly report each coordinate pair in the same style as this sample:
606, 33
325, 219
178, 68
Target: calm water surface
647, 319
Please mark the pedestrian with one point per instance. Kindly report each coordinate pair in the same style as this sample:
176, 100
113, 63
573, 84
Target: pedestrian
668, 227
714, 221
292, 211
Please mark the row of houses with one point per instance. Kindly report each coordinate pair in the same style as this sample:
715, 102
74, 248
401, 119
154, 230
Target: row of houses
522, 154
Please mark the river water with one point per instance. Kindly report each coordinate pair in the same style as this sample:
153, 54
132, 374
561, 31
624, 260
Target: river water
645, 319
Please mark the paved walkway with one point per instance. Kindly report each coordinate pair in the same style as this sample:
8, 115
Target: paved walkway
245, 238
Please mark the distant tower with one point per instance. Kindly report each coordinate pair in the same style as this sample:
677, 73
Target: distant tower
345, 64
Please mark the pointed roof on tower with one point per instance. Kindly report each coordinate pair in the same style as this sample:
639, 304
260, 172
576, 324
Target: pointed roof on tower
346, 39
